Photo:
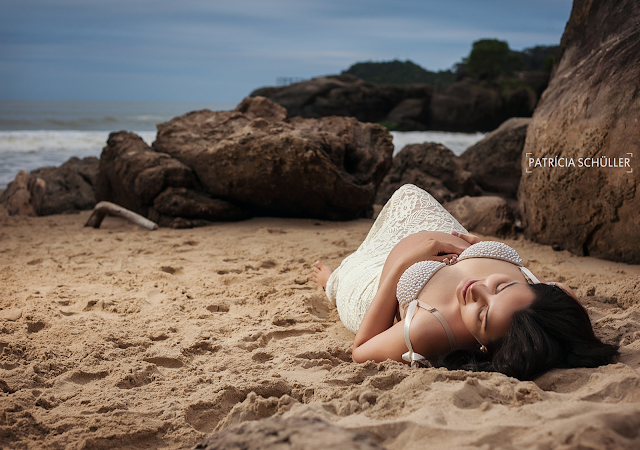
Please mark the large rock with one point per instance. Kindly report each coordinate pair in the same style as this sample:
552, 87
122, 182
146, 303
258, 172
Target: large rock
466, 105
432, 167
255, 157
297, 433
494, 162
471, 105
590, 110
68, 187
53, 190
156, 185
488, 215
347, 95
132, 174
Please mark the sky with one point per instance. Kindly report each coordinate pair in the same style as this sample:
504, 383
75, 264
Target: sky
221, 50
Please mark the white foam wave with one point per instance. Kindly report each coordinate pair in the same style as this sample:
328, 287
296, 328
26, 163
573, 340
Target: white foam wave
456, 142
59, 141
29, 150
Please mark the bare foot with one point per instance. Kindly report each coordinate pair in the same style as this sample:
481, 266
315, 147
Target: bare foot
321, 274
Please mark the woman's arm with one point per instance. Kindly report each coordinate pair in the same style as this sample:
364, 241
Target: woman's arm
380, 315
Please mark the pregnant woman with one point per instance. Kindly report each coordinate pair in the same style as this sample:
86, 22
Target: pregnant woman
422, 290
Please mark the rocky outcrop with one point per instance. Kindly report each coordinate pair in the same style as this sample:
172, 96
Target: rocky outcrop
228, 165
294, 433
471, 105
494, 162
466, 105
53, 190
256, 158
590, 112
431, 167
488, 215
156, 185
349, 96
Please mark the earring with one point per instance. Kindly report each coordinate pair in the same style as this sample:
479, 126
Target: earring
484, 349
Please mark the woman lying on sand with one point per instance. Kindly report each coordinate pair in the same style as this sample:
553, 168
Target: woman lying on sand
460, 302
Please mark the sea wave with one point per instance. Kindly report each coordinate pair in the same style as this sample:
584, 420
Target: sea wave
30, 150
456, 142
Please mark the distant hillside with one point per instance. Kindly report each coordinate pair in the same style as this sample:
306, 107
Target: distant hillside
398, 72
539, 58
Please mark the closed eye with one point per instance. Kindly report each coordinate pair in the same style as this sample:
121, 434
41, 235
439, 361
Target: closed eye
480, 314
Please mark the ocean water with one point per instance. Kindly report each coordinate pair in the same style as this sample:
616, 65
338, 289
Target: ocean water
36, 134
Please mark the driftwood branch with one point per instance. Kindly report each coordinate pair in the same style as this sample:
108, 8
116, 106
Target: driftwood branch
103, 209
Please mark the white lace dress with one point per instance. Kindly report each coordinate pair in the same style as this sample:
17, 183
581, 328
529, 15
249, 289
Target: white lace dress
354, 283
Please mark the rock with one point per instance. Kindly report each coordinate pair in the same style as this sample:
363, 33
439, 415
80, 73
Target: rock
410, 114
488, 215
53, 190
494, 162
68, 187
432, 167
252, 157
466, 105
589, 110
17, 198
193, 207
343, 95
132, 174
11, 314
299, 433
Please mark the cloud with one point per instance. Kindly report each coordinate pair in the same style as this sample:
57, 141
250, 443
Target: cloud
242, 44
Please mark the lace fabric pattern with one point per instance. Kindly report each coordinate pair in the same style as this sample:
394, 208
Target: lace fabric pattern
354, 283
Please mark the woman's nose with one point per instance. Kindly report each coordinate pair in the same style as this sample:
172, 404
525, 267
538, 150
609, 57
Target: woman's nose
478, 291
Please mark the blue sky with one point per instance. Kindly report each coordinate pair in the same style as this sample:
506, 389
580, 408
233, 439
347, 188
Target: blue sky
221, 50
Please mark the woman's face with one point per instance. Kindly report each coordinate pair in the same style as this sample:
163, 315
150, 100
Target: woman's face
487, 304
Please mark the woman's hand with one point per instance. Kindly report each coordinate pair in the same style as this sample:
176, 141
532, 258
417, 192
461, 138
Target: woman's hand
470, 238
434, 250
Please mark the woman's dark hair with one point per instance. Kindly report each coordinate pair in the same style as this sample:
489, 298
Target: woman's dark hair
553, 332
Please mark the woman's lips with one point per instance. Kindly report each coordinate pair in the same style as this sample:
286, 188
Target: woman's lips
465, 289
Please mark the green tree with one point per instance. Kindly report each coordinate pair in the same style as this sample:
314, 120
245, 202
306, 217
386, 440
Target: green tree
491, 58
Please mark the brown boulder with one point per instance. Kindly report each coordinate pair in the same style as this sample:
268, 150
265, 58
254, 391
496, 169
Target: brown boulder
68, 187
53, 190
252, 157
296, 433
132, 174
18, 198
494, 162
348, 96
192, 208
589, 111
466, 105
488, 215
471, 105
432, 167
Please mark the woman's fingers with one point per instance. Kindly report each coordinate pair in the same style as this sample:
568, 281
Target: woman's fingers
446, 247
470, 238
448, 259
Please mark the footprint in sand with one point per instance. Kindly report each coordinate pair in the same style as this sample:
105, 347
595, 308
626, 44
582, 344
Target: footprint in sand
82, 377
169, 363
171, 270
218, 307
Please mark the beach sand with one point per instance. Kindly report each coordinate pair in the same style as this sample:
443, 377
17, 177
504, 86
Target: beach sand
120, 337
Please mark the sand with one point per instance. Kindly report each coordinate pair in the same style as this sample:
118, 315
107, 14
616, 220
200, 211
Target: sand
126, 338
